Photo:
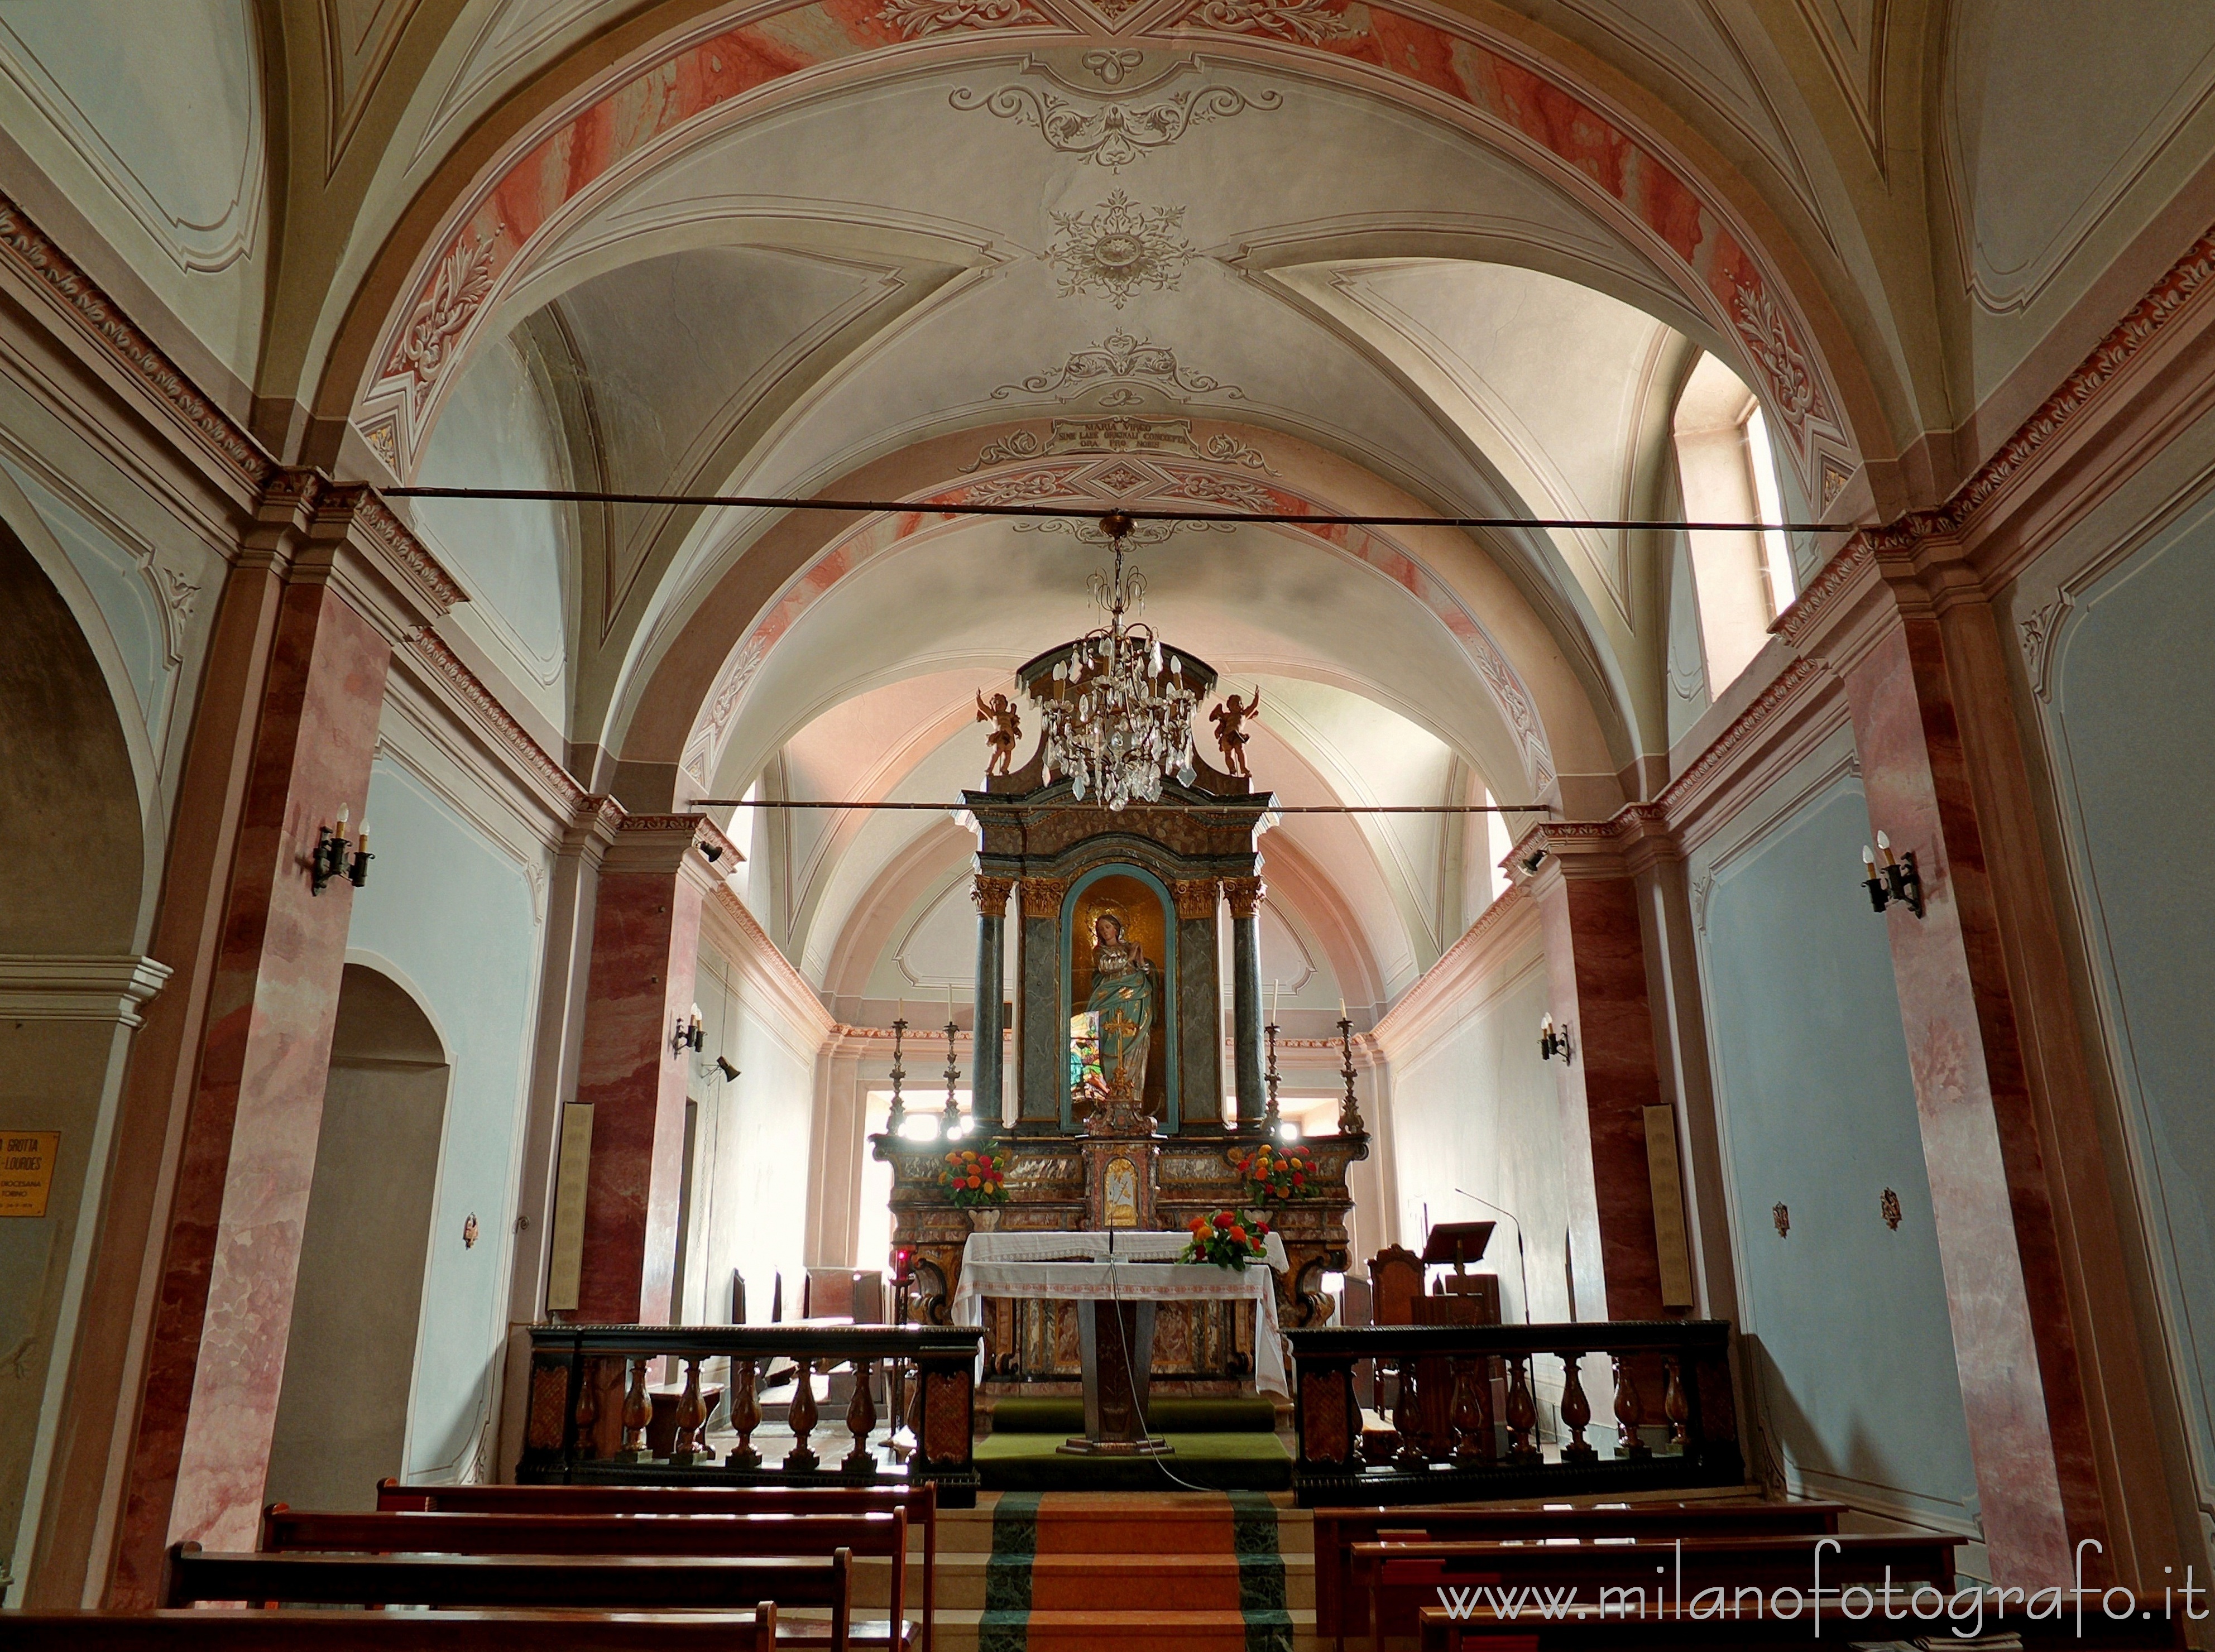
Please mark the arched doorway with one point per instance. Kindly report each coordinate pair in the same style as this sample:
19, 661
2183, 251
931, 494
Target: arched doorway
342, 1416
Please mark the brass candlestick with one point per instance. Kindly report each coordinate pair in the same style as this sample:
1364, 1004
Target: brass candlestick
898, 1116
1271, 1121
953, 1119
1349, 1110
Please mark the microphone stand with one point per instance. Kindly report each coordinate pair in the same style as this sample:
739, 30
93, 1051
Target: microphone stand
1522, 1263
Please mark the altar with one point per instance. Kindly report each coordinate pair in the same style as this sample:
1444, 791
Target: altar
1109, 1100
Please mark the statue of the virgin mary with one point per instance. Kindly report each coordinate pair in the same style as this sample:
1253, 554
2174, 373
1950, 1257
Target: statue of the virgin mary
1123, 997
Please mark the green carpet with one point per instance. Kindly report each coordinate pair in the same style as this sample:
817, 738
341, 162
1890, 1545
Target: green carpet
1211, 1462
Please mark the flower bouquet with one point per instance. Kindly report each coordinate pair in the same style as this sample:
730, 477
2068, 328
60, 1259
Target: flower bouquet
1226, 1240
1275, 1174
971, 1179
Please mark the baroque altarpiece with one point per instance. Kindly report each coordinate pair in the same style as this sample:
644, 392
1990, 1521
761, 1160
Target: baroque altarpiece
1119, 1056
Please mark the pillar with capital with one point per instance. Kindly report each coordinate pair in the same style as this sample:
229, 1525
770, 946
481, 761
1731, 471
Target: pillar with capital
991, 894
1245, 896
1042, 1082
1199, 1006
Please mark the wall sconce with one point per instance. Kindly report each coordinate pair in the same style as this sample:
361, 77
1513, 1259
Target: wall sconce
726, 1069
330, 860
1554, 1041
1895, 880
688, 1035
711, 852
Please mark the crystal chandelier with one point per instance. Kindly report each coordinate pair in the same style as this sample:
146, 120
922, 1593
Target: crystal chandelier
1117, 711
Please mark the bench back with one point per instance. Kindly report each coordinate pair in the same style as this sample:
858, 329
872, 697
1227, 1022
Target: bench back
204, 1628
1342, 1610
602, 1582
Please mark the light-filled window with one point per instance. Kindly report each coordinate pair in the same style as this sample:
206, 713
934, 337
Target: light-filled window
874, 1245
1728, 472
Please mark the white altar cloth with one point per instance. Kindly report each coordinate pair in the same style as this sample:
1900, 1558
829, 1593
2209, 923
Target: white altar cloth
1048, 1266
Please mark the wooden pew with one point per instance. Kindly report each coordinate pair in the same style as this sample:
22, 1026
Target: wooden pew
879, 1533
920, 1504
1399, 1579
1342, 1609
605, 1583
204, 1628
1488, 1632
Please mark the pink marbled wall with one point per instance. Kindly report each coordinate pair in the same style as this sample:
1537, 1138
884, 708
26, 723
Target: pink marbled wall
2013, 1342
217, 1358
646, 942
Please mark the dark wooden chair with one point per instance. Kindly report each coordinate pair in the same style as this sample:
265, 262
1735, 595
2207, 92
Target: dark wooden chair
470, 1583
1342, 1609
1399, 1579
919, 1503
206, 1628
879, 1533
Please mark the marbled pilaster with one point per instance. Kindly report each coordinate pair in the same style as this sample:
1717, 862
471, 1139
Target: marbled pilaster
991, 894
1199, 1007
1246, 895
1588, 911
1043, 1084
646, 947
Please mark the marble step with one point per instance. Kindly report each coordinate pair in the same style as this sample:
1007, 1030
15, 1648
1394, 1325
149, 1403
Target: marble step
1059, 1579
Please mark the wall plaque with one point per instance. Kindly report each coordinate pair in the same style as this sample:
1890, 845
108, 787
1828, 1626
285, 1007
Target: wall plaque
26, 1170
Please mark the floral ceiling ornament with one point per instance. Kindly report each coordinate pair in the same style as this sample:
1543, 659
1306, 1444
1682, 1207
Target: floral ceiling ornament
1309, 22
458, 288
1112, 135
1121, 361
916, 18
1118, 248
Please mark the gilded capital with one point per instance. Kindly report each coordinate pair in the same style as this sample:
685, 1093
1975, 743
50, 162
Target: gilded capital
1195, 897
1245, 896
992, 894
1042, 896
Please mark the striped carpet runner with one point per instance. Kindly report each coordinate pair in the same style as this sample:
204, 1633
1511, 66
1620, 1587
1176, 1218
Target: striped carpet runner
1071, 1572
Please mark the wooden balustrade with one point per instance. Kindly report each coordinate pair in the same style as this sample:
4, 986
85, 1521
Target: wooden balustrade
1453, 1438
591, 1407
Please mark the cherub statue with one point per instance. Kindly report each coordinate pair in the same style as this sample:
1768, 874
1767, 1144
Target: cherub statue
1230, 738
1006, 729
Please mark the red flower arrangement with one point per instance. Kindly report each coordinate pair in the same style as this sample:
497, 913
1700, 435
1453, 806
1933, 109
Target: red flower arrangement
1275, 1174
1226, 1240
971, 1178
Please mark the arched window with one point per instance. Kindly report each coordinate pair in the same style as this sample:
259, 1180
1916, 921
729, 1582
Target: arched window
1728, 473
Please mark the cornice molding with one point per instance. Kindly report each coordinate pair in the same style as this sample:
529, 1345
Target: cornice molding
506, 737
1415, 1022
759, 960
77, 985
99, 320
1744, 729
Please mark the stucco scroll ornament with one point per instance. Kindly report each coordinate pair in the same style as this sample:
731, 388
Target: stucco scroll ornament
1310, 21
1112, 135
916, 18
2039, 630
459, 290
1767, 333
1119, 247
706, 737
1115, 361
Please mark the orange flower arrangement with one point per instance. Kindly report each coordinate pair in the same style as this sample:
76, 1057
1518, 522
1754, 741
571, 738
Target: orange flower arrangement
971, 1178
1275, 1174
1226, 1240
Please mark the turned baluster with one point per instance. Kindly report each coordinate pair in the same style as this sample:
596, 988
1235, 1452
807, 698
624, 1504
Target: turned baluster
1408, 1417
1674, 1406
861, 1418
914, 1419
745, 1416
1626, 1411
637, 1412
800, 1458
1469, 1415
1522, 1411
1576, 1410
689, 1446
